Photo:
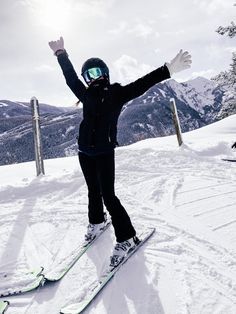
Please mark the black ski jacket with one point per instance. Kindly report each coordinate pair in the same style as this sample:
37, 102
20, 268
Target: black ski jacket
102, 104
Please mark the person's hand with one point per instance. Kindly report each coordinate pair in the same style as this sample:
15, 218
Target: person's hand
57, 45
180, 62
234, 145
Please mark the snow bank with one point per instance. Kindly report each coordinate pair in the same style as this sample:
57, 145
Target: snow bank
188, 194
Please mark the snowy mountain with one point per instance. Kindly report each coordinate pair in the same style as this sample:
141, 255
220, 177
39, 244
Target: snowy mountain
188, 194
198, 102
9, 109
202, 95
59, 128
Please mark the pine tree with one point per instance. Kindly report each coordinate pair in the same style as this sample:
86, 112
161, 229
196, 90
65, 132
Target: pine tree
229, 30
233, 70
227, 79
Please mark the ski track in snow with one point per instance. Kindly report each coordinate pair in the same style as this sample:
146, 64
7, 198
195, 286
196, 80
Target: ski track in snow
187, 267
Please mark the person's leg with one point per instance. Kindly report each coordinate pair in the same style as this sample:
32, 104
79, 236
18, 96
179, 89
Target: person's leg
120, 219
95, 206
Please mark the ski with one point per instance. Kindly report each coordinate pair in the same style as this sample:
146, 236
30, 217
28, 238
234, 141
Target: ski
68, 262
39, 277
82, 304
32, 281
3, 306
231, 160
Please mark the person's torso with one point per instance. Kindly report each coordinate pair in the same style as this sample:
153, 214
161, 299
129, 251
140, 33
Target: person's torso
101, 109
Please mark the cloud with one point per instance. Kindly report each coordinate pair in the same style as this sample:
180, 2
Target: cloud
139, 29
129, 69
44, 68
157, 50
215, 51
59, 14
210, 7
209, 73
23, 3
230, 49
137, 34
119, 29
205, 73
92, 7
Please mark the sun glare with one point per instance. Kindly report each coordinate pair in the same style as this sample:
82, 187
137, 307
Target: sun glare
53, 14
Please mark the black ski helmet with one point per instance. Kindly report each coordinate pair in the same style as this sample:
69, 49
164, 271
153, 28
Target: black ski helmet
95, 63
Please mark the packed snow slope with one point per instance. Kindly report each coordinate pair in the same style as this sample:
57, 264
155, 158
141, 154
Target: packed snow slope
187, 193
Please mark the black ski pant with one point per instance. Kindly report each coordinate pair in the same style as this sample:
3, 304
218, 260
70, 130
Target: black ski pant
99, 173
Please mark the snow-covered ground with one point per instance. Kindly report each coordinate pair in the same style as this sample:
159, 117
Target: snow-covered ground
188, 194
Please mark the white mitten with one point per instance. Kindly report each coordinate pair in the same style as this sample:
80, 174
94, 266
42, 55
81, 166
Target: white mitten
57, 45
180, 62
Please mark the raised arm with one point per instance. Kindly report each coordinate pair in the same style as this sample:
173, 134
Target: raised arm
72, 80
135, 89
140, 86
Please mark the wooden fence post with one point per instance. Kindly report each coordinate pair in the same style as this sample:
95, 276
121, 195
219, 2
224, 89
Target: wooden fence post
176, 121
37, 136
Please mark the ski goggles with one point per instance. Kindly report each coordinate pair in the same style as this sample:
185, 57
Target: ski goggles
93, 74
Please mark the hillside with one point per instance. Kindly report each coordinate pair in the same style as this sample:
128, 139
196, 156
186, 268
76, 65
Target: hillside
188, 194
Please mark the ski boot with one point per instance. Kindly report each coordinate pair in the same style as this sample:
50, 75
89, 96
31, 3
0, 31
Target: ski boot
93, 230
121, 249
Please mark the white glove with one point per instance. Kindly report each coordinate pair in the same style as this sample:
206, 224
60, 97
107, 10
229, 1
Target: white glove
180, 62
57, 45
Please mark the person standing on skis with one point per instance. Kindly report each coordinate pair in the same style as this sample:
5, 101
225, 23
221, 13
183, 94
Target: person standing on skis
102, 104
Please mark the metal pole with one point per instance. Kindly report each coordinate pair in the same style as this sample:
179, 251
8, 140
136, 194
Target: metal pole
37, 136
176, 121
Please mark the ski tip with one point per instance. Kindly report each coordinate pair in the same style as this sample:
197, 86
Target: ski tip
37, 272
4, 306
230, 160
149, 230
41, 271
6, 302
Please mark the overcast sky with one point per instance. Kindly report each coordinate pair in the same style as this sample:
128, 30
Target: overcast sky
131, 36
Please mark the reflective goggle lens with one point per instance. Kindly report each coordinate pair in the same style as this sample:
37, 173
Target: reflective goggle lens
93, 74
